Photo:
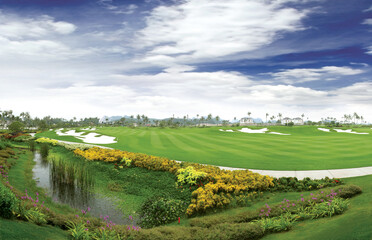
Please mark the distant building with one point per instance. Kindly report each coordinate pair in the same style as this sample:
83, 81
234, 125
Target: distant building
246, 121
296, 121
286, 120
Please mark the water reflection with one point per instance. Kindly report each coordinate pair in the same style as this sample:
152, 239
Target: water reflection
72, 183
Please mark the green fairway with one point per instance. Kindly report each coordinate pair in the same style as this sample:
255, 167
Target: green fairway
307, 148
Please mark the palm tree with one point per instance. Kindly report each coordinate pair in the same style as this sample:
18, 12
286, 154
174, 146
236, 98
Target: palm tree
266, 116
202, 119
272, 118
355, 115
280, 117
209, 117
249, 114
217, 119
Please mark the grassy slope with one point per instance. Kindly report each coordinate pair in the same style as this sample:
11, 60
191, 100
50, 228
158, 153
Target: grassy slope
10, 229
305, 149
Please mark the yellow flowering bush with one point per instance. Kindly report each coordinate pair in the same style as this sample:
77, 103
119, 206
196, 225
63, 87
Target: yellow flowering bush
189, 175
47, 140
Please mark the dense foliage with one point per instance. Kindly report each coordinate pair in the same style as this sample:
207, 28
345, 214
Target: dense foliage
8, 201
158, 210
285, 184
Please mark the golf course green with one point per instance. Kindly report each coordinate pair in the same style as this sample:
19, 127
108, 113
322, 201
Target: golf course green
306, 148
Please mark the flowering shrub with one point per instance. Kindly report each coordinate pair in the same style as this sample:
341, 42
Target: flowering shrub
189, 176
72, 147
47, 140
137, 159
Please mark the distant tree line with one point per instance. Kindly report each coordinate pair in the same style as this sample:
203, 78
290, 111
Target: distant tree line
24, 121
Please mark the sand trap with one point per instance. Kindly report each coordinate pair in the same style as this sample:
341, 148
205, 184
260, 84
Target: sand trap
279, 133
92, 138
348, 131
228, 130
247, 130
324, 129
89, 138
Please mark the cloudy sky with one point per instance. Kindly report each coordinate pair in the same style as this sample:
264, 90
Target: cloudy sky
83, 58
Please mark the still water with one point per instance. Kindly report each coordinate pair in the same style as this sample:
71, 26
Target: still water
73, 184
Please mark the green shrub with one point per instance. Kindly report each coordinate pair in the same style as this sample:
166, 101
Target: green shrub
8, 202
156, 211
293, 184
44, 150
349, 191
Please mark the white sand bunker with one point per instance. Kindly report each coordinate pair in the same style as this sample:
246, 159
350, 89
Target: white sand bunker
279, 133
348, 131
324, 129
247, 130
89, 138
228, 130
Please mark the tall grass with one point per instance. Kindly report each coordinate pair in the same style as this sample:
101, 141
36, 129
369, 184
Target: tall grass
44, 150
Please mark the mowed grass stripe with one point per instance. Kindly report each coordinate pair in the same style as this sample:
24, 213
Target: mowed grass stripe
229, 152
156, 142
180, 144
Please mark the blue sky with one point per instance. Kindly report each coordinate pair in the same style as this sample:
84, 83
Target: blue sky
109, 57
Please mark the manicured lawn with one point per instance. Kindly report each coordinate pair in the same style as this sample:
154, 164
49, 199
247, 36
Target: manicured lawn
307, 148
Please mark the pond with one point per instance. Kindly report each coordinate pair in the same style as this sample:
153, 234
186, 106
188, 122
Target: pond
72, 183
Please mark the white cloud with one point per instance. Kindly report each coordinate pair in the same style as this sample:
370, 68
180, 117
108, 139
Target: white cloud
40, 37
14, 27
368, 9
201, 29
299, 75
369, 50
367, 21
